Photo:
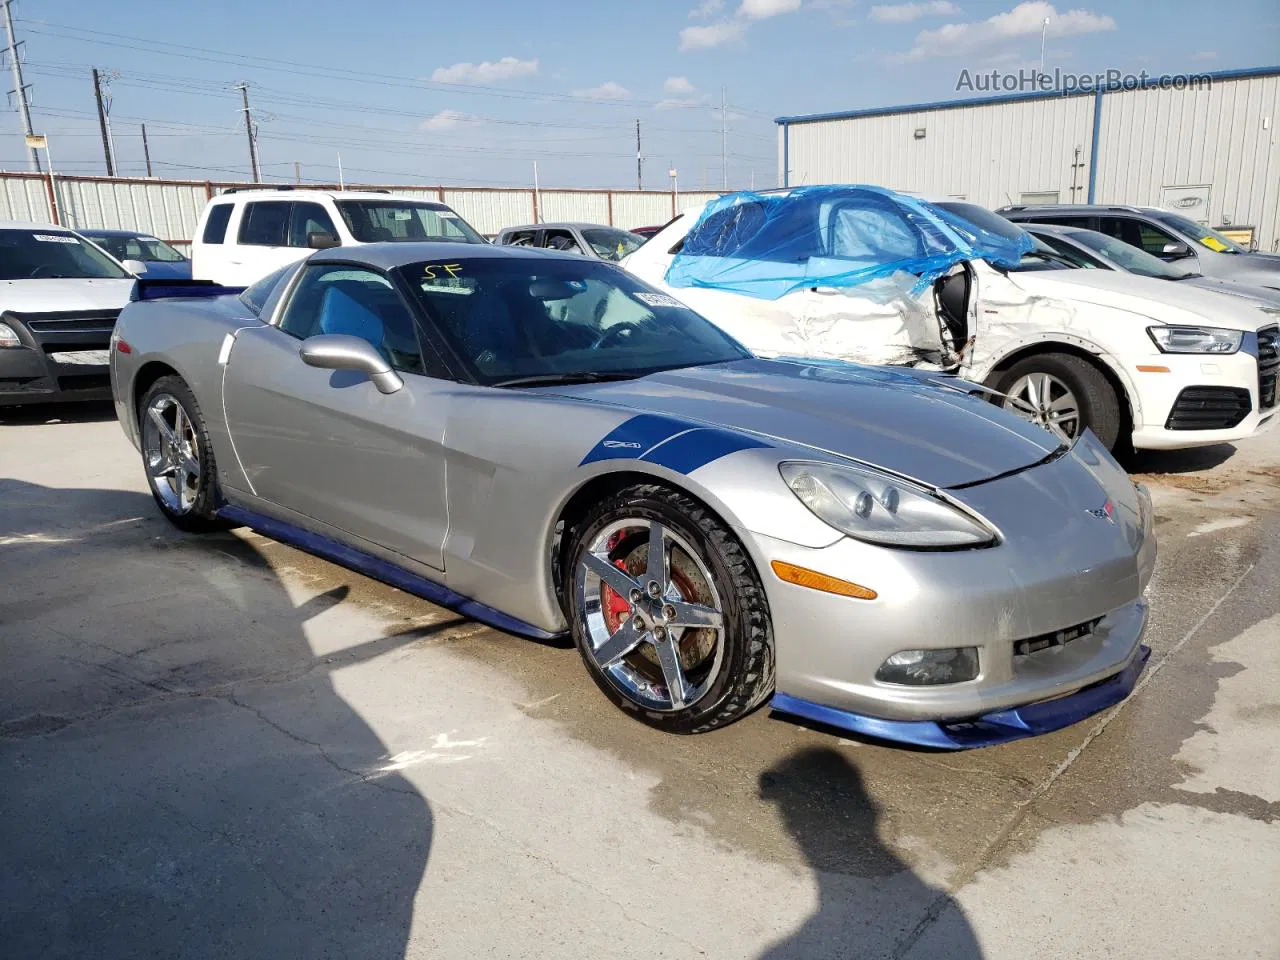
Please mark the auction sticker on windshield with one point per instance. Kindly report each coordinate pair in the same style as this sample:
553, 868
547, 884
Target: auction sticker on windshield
657, 300
54, 238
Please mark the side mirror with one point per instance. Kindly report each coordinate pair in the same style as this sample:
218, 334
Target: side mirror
136, 267
319, 240
1175, 251
338, 351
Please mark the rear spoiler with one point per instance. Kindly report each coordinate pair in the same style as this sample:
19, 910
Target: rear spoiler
144, 289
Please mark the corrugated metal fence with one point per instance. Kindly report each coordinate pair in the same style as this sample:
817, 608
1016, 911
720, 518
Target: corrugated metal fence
169, 209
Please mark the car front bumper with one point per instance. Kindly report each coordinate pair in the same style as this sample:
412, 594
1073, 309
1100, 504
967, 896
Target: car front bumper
1064, 573
62, 357
1187, 399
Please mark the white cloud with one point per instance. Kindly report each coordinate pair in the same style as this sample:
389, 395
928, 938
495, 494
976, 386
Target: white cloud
485, 72
906, 12
444, 120
983, 36
678, 86
706, 10
712, 35
606, 91
763, 9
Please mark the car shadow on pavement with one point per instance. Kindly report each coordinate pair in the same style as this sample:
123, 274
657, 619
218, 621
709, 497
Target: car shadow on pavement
178, 774
80, 411
869, 900
1190, 460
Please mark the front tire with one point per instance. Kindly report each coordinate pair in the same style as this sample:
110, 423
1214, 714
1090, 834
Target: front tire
1063, 392
178, 456
684, 643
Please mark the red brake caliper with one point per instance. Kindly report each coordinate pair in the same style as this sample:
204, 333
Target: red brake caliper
616, 607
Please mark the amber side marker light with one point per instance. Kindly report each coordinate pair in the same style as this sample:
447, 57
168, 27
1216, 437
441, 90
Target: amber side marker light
1150, 369
803, 577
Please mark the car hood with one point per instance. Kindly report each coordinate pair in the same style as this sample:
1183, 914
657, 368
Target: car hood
46, 296
1173, 303
899, 420
1267, 296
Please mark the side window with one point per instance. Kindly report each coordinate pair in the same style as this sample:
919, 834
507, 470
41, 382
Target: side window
263, 224
560, 240
337, 298
1121, 228
1152, 239
215, 228
871, 233
518, 238
306, 219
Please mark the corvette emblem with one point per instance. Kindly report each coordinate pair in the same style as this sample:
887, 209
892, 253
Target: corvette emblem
1105, 512
622, 445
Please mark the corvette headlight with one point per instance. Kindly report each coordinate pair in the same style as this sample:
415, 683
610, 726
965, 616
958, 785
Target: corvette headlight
879, 508
1196, 339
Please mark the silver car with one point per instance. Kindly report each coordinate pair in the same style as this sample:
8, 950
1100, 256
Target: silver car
548, 445
587, 239
1169, 236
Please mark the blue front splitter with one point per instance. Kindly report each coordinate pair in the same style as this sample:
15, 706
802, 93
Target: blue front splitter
1002, 726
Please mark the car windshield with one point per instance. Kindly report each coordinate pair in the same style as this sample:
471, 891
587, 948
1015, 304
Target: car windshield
375, 221
610, 243
1040, 257
526, 319
1201, 234
146, 249
53, 254
1128, 257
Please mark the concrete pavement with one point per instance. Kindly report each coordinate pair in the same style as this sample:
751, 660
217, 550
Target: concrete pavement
220, 747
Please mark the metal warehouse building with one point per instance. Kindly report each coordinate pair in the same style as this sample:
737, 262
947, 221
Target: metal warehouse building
1209, 152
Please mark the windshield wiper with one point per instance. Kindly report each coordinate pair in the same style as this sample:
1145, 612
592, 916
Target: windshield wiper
551, 379
1188, 276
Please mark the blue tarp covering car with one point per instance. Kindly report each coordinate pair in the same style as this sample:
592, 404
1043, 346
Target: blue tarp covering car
767, 245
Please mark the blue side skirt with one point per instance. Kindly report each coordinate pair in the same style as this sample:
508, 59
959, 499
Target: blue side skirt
1029, 720
380, 569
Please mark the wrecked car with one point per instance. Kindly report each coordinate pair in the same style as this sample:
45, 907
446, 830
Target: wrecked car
869, 275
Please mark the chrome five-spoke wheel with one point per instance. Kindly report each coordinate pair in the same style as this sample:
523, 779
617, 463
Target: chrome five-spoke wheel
651, 614
170, 446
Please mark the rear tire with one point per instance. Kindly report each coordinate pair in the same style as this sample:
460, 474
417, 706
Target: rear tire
653, 648
178, 456
1096, 403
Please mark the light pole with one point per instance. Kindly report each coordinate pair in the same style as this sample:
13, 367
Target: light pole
1044, 29
675, 191
38, 141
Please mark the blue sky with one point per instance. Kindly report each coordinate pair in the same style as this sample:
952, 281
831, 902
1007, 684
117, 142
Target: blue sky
474, 93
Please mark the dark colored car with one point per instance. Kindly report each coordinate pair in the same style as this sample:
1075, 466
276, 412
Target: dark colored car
162, 261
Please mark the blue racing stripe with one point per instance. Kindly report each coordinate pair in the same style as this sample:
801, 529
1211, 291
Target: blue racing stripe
633, 438
687, 452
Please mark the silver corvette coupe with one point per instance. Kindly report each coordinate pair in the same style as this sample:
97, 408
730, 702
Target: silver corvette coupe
544, 443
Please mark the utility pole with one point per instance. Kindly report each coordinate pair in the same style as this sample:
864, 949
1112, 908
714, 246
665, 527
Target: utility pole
19, 88
248, 129
639, 159
297, 172
102, 122
724, 141
146, 151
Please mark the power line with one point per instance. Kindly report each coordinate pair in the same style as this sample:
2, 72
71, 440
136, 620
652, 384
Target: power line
19, 88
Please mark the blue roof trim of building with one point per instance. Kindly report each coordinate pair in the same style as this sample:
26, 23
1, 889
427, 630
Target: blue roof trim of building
1241, 74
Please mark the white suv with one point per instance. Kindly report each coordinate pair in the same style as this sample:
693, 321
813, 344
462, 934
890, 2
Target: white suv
1133, 358
245, 234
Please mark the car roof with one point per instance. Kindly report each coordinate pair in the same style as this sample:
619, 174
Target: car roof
28, 225
386, 256
1080, 208
115, 233
564, 225
289, 193
1055, 229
